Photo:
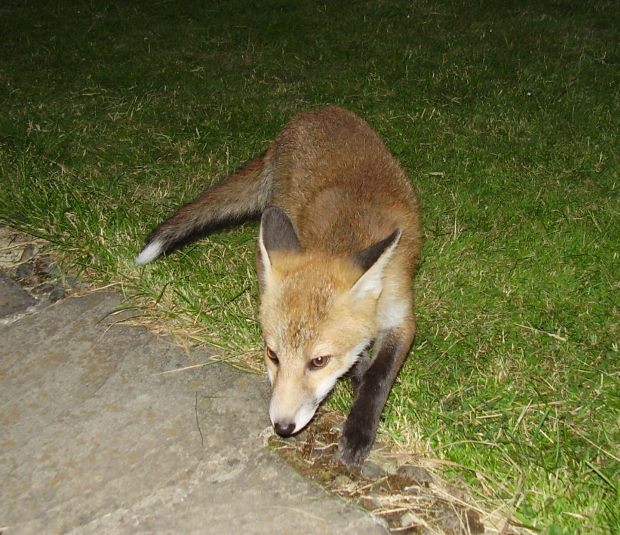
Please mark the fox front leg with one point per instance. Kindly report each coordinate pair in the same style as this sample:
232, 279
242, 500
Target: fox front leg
360, 428
361, 367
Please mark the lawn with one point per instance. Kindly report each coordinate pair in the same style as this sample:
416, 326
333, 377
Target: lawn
504, 114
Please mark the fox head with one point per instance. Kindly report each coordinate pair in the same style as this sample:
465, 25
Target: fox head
317, 312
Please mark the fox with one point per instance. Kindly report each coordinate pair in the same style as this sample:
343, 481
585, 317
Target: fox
338, 244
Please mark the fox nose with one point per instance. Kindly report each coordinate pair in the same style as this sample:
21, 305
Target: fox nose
284, 429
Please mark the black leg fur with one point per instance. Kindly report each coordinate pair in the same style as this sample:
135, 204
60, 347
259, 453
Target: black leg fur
360, 368
360, 428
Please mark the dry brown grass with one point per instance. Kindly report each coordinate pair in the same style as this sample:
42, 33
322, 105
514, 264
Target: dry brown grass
406, 489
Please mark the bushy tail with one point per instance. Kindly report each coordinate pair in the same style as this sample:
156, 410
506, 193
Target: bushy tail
239, 196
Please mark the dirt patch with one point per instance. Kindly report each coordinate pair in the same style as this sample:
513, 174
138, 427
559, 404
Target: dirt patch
408, 493
30, 263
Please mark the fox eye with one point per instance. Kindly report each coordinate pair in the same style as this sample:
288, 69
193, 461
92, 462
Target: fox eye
319, 362
273, 356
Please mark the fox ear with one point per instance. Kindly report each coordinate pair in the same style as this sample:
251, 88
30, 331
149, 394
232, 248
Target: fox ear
276, 234
373, 261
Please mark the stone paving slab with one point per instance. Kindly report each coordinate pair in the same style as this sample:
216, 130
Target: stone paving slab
96, 438
13, 298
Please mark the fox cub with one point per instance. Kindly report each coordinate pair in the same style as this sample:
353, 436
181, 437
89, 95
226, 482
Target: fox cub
340, 236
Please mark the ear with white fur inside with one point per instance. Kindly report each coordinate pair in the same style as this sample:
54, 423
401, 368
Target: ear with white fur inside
277, 234
374, 260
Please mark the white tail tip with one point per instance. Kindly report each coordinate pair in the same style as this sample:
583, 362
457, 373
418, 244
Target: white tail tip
149, 253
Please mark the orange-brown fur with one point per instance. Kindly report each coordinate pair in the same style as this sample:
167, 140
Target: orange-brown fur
343, 193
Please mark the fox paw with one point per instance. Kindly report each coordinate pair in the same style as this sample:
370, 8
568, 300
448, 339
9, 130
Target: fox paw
354, 446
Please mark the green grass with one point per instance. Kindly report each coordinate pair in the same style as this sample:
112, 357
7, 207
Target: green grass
505, 115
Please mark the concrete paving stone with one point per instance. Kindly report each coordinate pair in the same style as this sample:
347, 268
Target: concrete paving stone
94, 438
13, 298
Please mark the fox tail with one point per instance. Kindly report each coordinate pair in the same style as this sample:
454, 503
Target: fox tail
239, 196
